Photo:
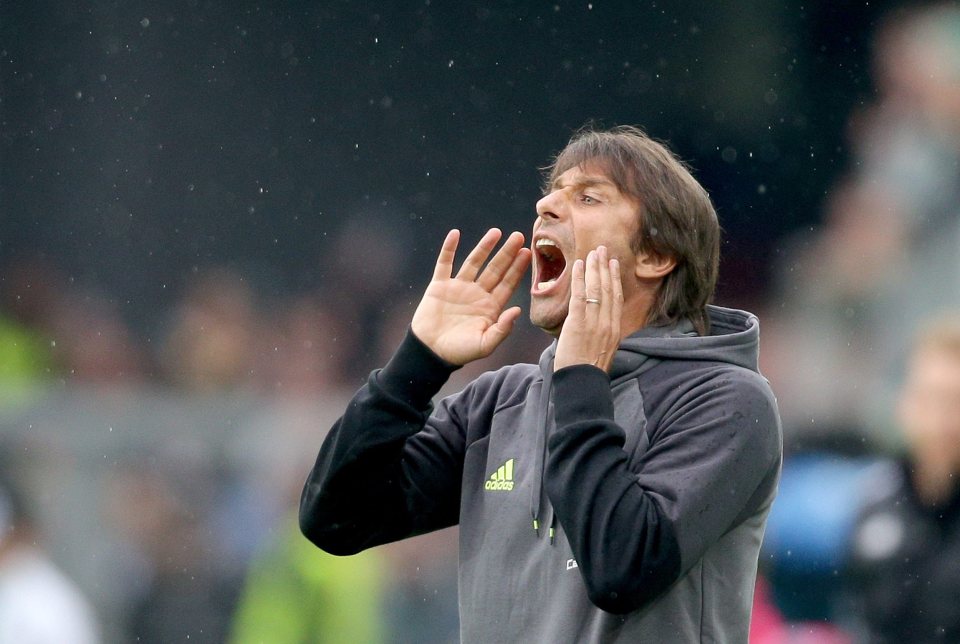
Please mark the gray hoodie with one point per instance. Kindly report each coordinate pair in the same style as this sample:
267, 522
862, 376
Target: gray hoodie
592, 507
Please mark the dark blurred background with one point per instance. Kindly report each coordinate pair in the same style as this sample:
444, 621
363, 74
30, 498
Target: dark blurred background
143, 141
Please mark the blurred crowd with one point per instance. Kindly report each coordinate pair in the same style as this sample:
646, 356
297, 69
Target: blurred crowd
201, 531
198, 522
200, 539
860, 337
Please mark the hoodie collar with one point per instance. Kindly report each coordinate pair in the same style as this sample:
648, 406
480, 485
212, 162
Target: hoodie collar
734, 338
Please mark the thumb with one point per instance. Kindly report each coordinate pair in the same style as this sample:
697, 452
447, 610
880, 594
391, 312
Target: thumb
499, 331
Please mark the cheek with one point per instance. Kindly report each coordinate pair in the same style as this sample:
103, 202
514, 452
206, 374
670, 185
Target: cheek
586, 240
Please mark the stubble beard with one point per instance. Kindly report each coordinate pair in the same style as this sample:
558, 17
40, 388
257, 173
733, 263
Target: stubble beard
546, 318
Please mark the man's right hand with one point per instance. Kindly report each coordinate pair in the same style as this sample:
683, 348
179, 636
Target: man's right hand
461, 318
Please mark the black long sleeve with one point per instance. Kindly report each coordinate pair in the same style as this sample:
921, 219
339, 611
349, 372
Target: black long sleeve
371, 483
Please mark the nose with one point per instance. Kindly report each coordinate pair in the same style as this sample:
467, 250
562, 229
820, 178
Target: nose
550, 205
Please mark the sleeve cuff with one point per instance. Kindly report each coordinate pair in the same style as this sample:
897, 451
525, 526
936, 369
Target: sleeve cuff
581, 392
415, 373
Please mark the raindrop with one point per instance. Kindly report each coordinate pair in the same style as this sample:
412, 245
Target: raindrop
145, 23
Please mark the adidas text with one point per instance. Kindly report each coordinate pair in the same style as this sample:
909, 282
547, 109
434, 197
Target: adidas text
499, 485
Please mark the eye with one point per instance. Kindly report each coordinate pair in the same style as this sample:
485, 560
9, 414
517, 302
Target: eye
589, 199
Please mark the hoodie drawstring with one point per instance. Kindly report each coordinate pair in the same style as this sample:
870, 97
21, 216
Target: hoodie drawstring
540, 454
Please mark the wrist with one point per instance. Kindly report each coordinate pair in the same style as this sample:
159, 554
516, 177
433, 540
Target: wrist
581, 392
415, 373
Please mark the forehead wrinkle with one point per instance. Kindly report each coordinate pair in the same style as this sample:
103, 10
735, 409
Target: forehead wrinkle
589, 181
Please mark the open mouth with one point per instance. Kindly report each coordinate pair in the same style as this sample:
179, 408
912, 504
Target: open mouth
550, 263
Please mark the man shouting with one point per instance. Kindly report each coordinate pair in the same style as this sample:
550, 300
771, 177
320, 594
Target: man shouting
618, 490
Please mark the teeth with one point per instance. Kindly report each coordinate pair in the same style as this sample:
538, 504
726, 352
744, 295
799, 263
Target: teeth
543, 285
545, 242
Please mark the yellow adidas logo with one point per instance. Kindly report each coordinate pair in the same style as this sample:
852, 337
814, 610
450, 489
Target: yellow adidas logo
502, 479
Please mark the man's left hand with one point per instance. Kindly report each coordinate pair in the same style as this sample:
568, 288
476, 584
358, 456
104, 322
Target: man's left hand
591, 332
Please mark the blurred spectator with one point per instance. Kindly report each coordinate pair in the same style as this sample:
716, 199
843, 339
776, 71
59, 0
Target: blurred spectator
211, 342
24, 361
178, 590
92, 343
305, 348
888, 253
366, 271
38, 603
293, 593
297, 594
55, 328
768, 625
808, 531
25, 355
905, 550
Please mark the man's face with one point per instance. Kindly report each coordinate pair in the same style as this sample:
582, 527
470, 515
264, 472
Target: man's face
583, 210
930, 405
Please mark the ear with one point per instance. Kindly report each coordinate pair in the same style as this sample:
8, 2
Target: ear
651, 266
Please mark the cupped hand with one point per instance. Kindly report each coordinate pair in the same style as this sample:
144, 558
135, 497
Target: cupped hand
461, 318
591, 332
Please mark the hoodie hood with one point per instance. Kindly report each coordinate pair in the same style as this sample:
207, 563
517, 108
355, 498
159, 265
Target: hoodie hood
734, 338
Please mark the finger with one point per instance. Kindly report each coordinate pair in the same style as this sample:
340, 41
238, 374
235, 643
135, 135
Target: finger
606, 293
499, 331
474, 261
593, 297
444, 267
501, 262
617, 298
510, 281
577, 291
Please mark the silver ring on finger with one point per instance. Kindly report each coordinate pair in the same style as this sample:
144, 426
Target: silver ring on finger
592, 300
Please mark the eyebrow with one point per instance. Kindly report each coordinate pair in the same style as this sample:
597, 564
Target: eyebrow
584, 182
